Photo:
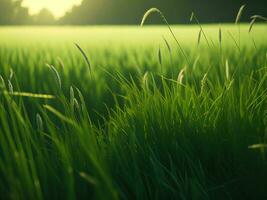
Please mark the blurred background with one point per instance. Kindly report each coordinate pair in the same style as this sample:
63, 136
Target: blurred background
105, 12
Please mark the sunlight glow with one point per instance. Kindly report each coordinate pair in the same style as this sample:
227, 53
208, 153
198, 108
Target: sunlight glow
57, 7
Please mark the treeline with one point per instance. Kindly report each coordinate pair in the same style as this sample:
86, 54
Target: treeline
176, 11
13, 13
131, 11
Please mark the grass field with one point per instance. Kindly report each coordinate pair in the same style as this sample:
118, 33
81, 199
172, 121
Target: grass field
143, 121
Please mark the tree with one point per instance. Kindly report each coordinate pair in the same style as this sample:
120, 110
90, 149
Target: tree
176, 11
131, 11
21, 14
12, 12
44, 17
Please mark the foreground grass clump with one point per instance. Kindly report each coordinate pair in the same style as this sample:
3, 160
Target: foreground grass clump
144, 124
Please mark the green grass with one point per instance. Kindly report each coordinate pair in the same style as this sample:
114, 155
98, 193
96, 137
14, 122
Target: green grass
142, 124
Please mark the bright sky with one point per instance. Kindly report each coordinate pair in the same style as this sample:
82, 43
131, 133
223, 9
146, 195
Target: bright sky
57, 7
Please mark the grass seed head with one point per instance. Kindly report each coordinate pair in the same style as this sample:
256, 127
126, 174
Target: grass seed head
145, 80
2, 82
199, 37
258, 17
39, 122
11, 74
239, 14
72, 97
181, 76
85, 57
76, 104
251, 24
192, 16
220, 36
227, 69
71, 94
60, 61
57, 76
10, 87
203, 83
149, 12
167, 44
160, 56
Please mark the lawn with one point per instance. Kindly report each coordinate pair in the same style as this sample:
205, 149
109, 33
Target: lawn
130, 115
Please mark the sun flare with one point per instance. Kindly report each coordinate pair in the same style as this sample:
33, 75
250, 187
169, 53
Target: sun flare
57, 7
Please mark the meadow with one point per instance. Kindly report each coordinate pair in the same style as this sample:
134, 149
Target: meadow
136, 117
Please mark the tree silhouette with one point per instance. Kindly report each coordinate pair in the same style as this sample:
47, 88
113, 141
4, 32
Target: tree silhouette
44, 17
11, 12
131, 11
176, 11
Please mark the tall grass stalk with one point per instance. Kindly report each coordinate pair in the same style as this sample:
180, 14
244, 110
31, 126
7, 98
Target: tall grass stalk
237, 20
155, 10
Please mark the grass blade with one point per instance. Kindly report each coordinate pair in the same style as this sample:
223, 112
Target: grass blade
199, 37
155, 10
59, 115
31, 95
85, 57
